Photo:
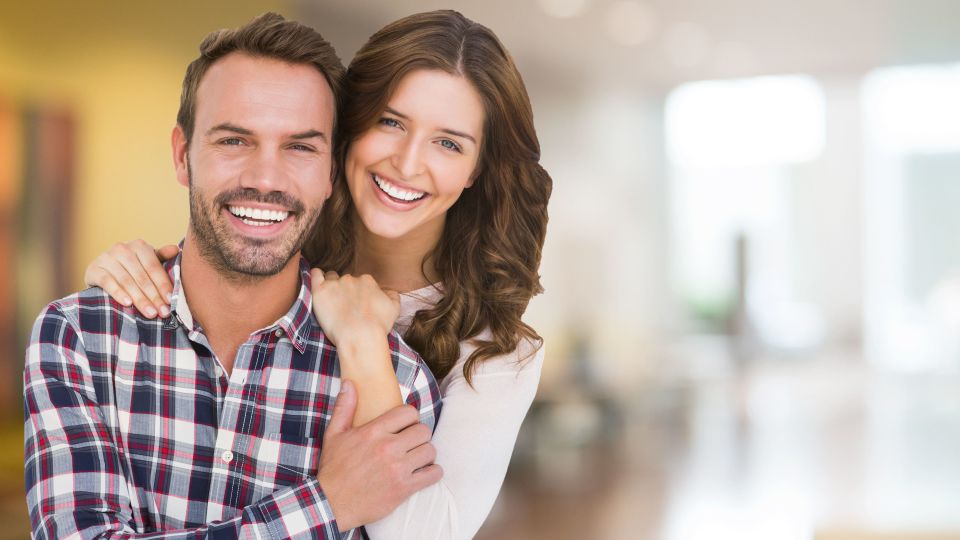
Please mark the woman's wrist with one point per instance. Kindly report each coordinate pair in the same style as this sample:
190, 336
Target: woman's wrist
361, 336
364, 351
368, 364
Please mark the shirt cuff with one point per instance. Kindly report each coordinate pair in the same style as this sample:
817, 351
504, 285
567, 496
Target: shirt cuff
301, 511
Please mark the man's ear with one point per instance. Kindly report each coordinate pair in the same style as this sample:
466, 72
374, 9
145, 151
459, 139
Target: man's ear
178, 142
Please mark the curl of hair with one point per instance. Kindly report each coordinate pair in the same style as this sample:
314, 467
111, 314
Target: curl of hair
489, 253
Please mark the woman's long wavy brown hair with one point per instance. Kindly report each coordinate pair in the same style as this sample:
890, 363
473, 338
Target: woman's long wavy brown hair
489, 253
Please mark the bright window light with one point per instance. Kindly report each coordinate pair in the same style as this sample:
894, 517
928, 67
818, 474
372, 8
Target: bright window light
914, 108
732, 147
765, 120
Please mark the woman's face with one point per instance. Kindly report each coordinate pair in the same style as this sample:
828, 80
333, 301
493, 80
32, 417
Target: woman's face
406, 171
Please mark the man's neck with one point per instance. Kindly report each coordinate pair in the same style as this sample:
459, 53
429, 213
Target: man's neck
230, 309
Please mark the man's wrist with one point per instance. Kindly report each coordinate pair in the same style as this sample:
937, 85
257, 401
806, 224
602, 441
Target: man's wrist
341, 513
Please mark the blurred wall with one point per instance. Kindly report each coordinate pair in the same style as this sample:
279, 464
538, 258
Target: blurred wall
117, 67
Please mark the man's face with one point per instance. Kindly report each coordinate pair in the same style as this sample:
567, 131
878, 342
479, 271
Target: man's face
259, 163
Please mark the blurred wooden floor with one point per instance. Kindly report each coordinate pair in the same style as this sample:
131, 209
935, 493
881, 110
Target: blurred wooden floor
796, 449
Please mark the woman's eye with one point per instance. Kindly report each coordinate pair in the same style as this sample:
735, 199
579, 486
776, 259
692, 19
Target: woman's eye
390, 122
450, 145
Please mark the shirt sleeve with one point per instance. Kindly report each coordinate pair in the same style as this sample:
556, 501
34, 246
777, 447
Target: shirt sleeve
417, 385
76, 483
474, 440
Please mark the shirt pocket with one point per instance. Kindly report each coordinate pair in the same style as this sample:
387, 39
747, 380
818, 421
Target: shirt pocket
287, 458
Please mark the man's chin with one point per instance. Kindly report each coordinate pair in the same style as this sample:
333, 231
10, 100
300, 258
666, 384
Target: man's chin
257, 262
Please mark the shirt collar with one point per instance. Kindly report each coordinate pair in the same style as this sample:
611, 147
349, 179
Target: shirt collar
295, 323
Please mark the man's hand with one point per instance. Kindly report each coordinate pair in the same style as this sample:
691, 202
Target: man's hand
367, 471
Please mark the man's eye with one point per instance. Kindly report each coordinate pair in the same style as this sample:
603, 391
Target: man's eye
231, 141
302, 148
450, 145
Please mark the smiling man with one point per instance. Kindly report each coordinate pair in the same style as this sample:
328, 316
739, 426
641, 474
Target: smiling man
207, 422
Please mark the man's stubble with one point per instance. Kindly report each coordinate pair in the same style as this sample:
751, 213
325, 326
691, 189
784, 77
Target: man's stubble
240, 258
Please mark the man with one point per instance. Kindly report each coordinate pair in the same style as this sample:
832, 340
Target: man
207, 422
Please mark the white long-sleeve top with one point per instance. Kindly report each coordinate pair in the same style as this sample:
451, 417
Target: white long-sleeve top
474, 438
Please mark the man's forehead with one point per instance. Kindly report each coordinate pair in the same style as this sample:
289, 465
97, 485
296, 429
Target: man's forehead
243, 89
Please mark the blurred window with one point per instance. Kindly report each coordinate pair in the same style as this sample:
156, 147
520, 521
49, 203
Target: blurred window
733, 148
911, 118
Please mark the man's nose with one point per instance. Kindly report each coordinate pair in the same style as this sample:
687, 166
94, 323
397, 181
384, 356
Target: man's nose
264, 172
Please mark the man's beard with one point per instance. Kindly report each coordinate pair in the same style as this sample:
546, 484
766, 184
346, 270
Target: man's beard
239, 257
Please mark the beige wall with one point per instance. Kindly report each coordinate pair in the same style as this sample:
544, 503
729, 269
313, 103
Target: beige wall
118, 68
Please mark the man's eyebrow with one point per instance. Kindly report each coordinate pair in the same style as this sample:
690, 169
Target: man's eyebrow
453, 132
227, 126
309, 134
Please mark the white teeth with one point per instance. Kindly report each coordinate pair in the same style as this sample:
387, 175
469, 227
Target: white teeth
258, 214
396, 192
255, 223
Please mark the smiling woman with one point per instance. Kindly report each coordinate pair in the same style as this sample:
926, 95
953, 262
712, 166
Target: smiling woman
406, 171
436, 106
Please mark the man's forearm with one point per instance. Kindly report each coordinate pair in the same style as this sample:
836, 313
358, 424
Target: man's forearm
286, 513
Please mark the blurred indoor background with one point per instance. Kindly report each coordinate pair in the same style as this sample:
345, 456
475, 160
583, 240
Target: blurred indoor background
752, 313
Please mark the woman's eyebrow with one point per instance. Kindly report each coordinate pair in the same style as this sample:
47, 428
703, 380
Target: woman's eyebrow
448, 131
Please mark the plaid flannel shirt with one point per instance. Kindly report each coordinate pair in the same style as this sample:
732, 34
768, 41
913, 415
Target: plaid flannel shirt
133, 430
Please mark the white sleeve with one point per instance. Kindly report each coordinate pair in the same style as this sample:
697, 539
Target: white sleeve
474, 439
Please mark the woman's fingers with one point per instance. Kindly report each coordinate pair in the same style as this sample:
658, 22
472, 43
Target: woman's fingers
167, 252
117, 271
159, 286
127, 256
393, 295
98, 277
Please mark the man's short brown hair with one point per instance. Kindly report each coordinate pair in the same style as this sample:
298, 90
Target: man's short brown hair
267, 36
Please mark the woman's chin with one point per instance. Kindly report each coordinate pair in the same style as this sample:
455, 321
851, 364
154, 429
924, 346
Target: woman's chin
383, 227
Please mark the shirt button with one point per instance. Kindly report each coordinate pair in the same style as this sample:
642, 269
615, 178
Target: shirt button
218, 370
227, 456
278, 333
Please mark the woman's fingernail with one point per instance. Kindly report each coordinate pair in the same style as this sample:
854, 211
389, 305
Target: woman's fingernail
126, 301
150, 312
164, 311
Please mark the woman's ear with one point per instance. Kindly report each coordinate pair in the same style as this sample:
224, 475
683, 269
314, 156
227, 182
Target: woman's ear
474, 175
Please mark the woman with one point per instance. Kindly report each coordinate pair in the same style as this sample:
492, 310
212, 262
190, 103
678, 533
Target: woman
441, 198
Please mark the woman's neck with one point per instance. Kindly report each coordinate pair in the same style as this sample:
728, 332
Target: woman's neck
400, 264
